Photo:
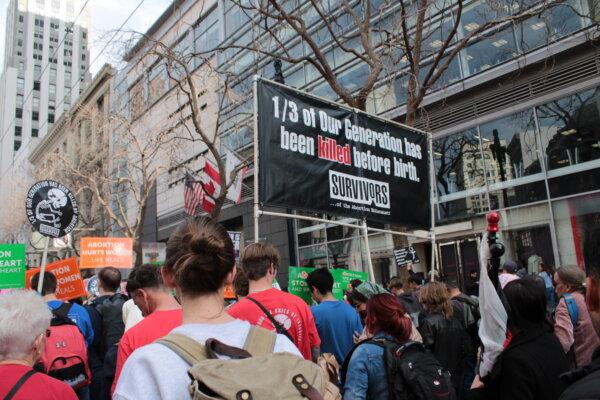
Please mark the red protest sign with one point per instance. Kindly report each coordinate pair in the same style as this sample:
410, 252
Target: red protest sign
70, 284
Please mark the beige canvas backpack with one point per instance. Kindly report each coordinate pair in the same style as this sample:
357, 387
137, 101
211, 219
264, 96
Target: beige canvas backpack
252, 373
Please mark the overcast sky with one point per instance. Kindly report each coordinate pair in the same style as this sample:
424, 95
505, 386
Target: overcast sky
106, 16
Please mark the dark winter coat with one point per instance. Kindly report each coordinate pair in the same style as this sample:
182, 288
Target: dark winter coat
448, 341
585, 382
528, 369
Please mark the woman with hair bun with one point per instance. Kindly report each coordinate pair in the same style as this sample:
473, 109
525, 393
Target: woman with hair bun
365, 376
199, 264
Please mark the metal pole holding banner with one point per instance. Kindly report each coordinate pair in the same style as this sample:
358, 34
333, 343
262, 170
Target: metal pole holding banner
365, 230
256, 205
43, 267
432, 185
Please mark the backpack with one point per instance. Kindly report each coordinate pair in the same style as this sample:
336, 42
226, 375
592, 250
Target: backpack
113, 327
254, 372
65, 355
413, 373
574, 314
471, 317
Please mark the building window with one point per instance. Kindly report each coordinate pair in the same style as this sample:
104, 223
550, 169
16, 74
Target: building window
39, 22
18, 130
36, 103
491, 51
17, 145
51, 118
52, 91
20, 18
34, 132
570, 129
52, 74
510, 147
19, 113
35, 116
458, 163
20, 84
56, 5
37, 71
51, 104
20, 42
19, 100
36, 85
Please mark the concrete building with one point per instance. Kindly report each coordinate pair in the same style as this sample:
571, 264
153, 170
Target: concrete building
80, 137
515, 117
45, 69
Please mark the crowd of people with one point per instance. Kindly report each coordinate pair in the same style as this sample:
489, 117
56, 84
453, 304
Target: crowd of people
172, 335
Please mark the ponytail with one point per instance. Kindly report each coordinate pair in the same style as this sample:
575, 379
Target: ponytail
386, 314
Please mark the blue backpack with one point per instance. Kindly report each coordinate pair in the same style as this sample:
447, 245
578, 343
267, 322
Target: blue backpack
572, 308
574, 314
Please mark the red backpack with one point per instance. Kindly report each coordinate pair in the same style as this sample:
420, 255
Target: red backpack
65, 356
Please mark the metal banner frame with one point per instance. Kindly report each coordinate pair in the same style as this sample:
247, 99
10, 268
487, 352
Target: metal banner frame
363, 227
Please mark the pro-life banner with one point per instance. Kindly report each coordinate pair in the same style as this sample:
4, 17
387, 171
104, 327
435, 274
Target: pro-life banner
100, 252
69, 282
321, 157
341, 281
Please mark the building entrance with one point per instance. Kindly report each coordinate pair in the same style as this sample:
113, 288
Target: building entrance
457, 258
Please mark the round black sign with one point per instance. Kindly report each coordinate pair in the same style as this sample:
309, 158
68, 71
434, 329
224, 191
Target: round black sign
51, 209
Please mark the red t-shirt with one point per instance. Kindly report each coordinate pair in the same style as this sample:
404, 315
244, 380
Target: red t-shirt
151, 328
39, 386
289, 310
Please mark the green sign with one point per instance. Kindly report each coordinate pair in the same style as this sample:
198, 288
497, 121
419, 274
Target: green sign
12, 266
297, 282
341, 281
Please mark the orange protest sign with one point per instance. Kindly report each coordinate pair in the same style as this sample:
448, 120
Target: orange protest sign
99, 252
70, 285
229, 293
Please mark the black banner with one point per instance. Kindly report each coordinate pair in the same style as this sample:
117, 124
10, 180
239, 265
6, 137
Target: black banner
321, 157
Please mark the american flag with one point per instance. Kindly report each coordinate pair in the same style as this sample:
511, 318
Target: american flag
193, 194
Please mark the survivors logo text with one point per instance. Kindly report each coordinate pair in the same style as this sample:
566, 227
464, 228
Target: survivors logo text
359, 190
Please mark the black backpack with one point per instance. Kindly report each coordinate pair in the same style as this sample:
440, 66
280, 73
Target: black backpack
413, 373
472, 316
111, 312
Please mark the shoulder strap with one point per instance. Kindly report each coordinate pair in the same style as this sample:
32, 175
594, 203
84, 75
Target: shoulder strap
63, 310
572, 308
260, 341
346, 363
61, 315
278, 327
19, 383
185, 347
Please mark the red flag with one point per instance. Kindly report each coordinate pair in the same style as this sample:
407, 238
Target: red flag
212, 186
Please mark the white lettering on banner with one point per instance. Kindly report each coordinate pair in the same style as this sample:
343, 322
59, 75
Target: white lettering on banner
297, 143
10, 263
359, 190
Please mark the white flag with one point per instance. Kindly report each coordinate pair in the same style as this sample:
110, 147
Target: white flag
235, 190
492, 329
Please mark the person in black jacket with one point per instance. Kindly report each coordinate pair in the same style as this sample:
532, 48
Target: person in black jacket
585, 382
530, 366
442, 332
